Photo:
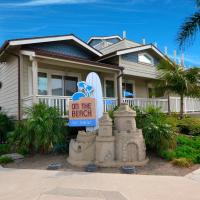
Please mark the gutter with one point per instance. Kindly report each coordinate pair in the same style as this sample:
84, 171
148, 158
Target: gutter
19, 83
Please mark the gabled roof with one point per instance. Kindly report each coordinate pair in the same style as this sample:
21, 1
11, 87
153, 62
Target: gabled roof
34, 40
133, 49
104, 38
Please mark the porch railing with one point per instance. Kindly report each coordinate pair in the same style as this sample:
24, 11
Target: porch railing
62, 103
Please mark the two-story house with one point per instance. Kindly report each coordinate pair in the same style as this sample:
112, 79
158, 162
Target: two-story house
47, 69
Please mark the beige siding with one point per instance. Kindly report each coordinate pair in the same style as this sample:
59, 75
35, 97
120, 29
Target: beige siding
137, 69
118, 46
141, 89
9, 90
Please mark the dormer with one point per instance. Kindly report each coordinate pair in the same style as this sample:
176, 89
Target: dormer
102, 42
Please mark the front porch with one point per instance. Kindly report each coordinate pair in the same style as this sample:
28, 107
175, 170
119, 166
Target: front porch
191, 105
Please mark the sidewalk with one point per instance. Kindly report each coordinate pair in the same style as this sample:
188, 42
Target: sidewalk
51, 185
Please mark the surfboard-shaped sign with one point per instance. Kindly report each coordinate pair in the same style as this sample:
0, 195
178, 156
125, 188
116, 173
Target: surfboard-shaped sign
94, 81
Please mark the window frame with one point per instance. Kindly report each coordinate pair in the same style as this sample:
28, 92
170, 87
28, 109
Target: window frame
147, 55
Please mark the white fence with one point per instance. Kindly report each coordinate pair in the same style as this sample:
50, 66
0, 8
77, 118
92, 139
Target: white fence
191, 105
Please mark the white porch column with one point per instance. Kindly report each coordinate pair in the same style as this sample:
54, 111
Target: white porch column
120, 96
35, 80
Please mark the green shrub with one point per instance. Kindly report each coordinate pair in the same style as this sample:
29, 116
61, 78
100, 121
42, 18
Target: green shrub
4, 148
187, 147
6, 125
173, 121
167, 154
189, 126
182, 162
43, 129
5, 160
157, 133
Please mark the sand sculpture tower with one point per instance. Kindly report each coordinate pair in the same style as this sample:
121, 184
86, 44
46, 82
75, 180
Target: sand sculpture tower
129, 145
105, 141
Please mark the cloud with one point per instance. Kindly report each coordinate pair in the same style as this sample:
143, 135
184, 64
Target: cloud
37, 3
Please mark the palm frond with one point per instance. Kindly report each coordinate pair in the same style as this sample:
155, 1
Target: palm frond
188, 30
197, 3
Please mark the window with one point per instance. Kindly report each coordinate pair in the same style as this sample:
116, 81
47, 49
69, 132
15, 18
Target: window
128, 88
145, 58
56, 84
42, 83
110, 88
70, 85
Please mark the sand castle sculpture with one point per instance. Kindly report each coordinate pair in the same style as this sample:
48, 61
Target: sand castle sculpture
121, 145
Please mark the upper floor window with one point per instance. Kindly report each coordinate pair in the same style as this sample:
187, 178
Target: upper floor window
145, 58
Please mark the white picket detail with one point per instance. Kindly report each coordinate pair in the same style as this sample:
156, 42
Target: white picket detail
191, 105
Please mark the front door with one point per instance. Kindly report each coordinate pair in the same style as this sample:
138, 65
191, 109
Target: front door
70, 85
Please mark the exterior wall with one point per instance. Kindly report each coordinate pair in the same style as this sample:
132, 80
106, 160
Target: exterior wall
9, 90
118, 46
140, 86
65, 70
137, 69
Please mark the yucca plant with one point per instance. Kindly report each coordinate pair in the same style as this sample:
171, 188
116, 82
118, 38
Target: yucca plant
42, 130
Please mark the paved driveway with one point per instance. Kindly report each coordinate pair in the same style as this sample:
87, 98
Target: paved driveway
18, 184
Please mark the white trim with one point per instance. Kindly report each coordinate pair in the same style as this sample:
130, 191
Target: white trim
129, 81
109, 79
51, 72
27, 53
104, 38
147, 55
52, 39
76, 62
135, 49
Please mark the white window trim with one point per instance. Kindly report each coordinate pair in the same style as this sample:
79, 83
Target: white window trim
109, 79
131, 82
51, 72
148, 55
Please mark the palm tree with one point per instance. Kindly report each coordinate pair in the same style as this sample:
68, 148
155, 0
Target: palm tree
175, 79
190, 27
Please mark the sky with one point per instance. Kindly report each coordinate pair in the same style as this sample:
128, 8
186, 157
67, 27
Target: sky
155, 20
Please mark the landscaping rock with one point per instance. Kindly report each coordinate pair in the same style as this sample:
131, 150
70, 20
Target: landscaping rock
14, 156
128, 170
91, 168
54, 166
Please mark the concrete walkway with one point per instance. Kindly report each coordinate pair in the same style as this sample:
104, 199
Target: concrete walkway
18, 184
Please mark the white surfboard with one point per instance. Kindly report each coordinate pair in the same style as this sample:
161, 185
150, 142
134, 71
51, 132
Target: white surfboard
94, 80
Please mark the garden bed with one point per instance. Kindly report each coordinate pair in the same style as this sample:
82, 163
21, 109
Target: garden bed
156, 166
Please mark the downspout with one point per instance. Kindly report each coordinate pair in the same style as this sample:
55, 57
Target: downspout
19, 83
119, 100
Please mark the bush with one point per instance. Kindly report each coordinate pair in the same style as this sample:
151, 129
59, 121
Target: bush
43, 129
157, 133
4, 148
182, 162
5, 160
6, 125
187, 147
189, 126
